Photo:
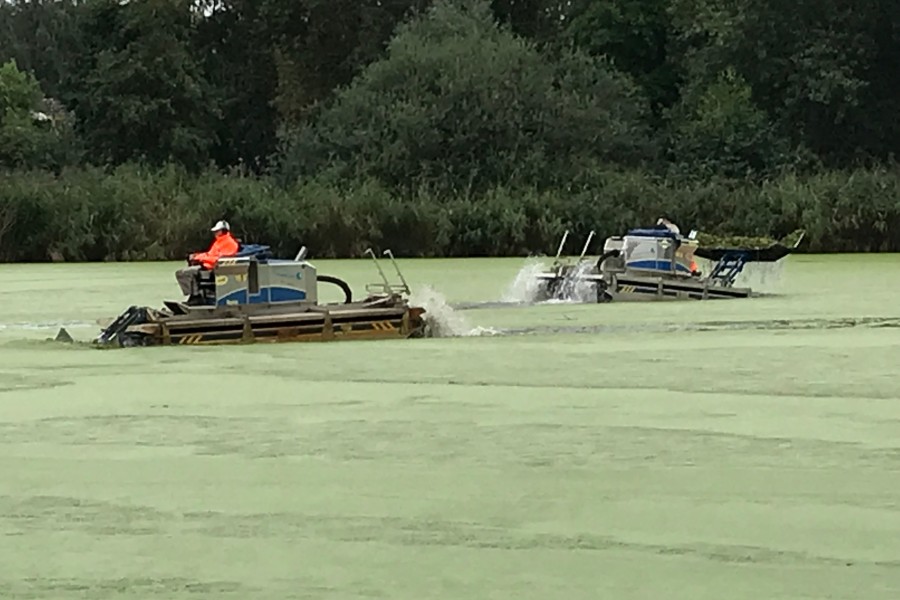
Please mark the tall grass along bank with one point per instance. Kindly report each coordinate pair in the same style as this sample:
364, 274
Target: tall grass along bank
129, 213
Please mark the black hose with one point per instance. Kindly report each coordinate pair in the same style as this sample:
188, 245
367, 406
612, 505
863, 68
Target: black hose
348, 294
606, 255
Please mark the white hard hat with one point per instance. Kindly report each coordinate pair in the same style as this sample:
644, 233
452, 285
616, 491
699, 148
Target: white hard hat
221, 225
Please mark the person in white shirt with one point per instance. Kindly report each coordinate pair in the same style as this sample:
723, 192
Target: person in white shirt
669, 225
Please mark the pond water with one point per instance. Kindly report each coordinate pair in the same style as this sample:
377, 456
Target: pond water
720, 449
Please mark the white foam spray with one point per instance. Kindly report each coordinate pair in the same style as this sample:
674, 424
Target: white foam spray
761, 277
441, 319
524, 288
577, 289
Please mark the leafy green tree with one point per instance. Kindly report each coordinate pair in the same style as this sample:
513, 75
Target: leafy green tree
719, 131
635, 35
460, 103
271, 61
235, 45
42, 37
139, 93
321, 45
34, 131
538, 20
824, 70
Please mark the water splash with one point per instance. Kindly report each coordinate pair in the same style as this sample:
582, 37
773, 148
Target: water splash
761, 277
441, 319
576, 289
525, 287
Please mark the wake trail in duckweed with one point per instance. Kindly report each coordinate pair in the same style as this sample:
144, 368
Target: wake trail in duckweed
45, 325
711, 326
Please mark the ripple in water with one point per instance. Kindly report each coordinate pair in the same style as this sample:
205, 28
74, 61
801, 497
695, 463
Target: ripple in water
46, 325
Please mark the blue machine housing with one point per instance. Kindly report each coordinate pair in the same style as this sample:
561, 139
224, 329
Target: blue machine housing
662, 232
657, 251
258, 251
252, 276
663, 266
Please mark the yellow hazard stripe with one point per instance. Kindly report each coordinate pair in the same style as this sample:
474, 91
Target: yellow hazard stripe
383, 325
191, 339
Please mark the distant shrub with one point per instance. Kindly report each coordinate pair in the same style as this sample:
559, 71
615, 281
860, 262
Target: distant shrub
132, 213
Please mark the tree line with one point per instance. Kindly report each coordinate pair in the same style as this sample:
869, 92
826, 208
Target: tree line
443, 127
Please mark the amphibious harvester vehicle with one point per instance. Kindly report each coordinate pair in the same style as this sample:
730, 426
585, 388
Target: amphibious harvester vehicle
654, 264
253, 297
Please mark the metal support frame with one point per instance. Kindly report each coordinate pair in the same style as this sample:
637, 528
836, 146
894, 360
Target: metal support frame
728, 268
562, 244
390, 255
388, 288
587, 244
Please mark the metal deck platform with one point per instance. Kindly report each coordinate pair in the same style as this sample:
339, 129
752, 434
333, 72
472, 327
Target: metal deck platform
632, 287
316, 324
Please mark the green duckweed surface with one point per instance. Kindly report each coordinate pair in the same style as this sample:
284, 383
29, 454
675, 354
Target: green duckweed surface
681, 450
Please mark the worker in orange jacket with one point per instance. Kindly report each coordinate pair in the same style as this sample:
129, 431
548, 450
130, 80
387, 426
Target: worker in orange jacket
223, 245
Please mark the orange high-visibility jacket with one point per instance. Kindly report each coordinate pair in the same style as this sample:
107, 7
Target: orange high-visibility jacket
224, 245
